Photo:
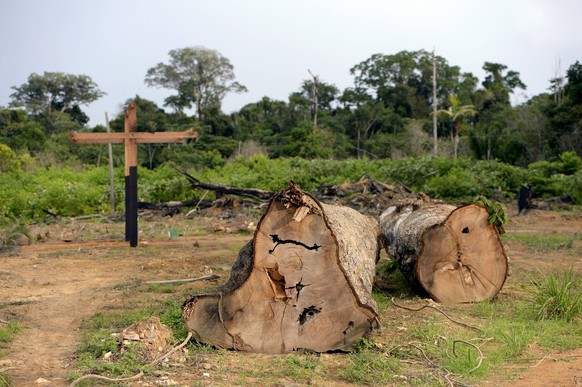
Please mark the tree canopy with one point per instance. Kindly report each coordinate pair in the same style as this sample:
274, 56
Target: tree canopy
56, 91
200, 76
386, 113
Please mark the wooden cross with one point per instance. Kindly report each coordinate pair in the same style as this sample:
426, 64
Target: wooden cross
131, 138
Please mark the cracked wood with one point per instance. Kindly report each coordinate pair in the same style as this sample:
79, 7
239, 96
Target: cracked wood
300, 293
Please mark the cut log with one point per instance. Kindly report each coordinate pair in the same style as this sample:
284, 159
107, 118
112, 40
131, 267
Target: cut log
304, 282
452, 253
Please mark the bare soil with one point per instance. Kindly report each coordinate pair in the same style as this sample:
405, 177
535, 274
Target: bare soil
79, 268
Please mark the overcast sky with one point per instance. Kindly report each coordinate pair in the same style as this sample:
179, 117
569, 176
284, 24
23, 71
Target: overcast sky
273, 43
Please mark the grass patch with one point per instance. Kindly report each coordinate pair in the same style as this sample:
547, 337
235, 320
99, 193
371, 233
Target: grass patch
299, 368
101, 331
8, 331
368, 366
557, 295
545, 243
162, 288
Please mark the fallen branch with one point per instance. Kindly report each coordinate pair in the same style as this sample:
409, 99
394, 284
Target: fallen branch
203, 278
86, 217
175, 205
248, 192
170, 352
429, 305
99, 377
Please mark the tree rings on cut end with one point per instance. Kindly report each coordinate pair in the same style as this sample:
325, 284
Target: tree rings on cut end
462, 259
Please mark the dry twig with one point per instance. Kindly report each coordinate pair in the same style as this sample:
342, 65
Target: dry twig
429, 305
203, 278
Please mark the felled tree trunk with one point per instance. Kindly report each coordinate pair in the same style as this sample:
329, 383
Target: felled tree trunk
454, 254
303, 282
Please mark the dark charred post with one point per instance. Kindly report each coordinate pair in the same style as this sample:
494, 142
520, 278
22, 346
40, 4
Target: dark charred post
131, 229
304, 282
454, 254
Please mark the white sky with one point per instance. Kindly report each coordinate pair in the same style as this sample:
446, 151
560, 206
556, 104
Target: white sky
272, 43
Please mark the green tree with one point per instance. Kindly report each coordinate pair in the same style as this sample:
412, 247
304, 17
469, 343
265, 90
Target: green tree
315, 97
565, 115
494, 113
200, 76
403, 81
266, 121
456, 113
20, 132
56, 92
500, 83
308, 142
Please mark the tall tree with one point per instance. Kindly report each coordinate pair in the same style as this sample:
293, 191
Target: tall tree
501, 83
56, 92
200, 76
566, 116
456, 113
315, 96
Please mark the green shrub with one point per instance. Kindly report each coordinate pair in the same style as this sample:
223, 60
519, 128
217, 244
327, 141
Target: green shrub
457, 183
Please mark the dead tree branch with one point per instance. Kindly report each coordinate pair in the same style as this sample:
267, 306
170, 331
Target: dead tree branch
203, 278
430, 305
247, 192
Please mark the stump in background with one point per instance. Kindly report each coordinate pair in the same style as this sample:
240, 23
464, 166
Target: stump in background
303, 282
454, 254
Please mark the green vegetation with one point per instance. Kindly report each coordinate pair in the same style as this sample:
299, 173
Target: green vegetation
497, 214
368, 366
29, 195
8, 330
557, 295
380, 127
544, 243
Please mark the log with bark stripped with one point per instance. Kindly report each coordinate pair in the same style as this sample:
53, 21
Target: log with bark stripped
453, 253
304, 282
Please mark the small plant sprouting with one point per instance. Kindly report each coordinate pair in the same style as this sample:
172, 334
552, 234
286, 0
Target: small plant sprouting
497, 214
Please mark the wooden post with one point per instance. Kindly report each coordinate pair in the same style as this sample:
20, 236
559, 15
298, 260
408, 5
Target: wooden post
131, 231
111, 179
131, 138
434, 105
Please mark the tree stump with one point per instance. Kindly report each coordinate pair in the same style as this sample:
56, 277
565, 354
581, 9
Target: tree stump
452, 253
303, 282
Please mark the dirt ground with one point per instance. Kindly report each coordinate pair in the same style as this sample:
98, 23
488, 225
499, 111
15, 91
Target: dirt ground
75, 271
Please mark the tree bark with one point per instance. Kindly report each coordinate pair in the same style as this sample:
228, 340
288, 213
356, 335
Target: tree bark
452, 253
304, 282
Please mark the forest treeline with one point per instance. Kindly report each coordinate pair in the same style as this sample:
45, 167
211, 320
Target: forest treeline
385, 116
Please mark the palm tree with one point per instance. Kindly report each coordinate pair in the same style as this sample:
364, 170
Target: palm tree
456, 113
